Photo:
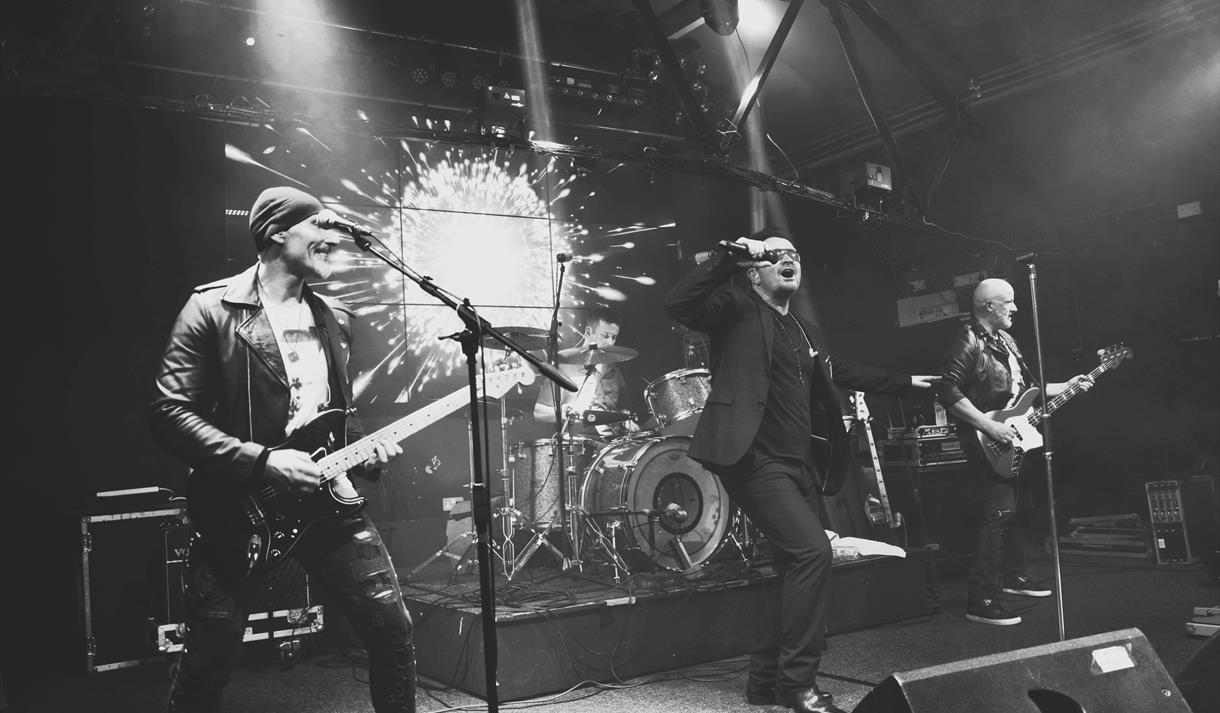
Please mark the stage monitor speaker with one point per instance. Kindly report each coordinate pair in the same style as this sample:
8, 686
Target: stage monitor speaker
1115, 672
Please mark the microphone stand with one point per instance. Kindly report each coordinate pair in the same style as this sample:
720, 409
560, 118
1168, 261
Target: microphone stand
471, 338
1048, 452
561, 423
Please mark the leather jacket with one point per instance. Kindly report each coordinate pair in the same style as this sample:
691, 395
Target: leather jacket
975, 368
222, 390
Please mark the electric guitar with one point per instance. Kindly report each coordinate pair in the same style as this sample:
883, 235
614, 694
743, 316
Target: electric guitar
877, 508
252, 532
1004, 458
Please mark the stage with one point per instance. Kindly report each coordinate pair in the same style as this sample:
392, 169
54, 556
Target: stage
557, 629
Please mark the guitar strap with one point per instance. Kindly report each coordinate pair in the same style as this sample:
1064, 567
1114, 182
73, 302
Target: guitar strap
1011, 345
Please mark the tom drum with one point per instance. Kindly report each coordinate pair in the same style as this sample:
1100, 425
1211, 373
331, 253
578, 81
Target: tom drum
677, 398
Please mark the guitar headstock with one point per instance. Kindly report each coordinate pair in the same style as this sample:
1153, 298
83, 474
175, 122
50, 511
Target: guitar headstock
859, 407
1114, 355
500, 380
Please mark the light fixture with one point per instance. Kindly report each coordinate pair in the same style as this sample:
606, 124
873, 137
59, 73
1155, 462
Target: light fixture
720, 15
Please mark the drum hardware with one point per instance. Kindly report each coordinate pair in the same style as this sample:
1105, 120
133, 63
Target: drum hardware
616, 526
538, 488
742, 536
470, 537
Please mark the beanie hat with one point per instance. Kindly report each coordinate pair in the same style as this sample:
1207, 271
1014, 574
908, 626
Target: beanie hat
278, 209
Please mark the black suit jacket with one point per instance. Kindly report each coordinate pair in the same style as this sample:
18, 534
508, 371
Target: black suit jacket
741, 334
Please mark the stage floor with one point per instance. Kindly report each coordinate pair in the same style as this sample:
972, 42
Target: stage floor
330, 675
556, 628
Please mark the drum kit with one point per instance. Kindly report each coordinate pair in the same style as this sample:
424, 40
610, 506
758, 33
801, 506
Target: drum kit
638, 497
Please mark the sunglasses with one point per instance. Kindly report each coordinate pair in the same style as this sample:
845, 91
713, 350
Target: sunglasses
777, 256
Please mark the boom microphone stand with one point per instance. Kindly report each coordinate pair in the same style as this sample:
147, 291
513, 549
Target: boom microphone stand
1048, 451
471, 338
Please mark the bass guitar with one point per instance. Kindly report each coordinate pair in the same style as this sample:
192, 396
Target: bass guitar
877, 507
1024, 419
252, 532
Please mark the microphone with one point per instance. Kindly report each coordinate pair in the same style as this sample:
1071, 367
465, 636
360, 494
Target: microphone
347, 226
1026, 258
743, 252
674, 511
569, 257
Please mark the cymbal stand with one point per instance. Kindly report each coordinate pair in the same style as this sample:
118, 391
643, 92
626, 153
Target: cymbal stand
740, 535
508, 512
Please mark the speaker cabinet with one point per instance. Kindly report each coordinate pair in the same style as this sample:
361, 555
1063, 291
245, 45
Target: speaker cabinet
1114, 672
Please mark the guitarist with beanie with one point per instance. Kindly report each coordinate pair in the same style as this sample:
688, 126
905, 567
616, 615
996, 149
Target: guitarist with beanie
252, 363
983, 371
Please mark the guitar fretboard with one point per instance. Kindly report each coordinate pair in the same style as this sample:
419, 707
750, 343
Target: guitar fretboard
341, 461
1036, 416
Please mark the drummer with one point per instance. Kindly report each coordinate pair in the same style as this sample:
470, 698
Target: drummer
593, 367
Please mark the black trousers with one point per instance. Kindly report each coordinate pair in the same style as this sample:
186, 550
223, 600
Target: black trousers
780, 499
997, 543
347, 558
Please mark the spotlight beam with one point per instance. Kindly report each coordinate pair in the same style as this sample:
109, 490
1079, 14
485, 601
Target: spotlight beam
750, 95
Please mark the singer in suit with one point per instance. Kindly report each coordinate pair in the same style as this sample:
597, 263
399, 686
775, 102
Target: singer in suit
772, 386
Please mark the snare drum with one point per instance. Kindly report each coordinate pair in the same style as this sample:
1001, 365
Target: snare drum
536, 480
677, 398
655, 474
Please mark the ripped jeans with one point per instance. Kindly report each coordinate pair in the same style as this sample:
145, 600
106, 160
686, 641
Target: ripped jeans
997, 548
347, 558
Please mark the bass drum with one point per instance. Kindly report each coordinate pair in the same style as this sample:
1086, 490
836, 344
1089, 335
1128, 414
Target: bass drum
655, 474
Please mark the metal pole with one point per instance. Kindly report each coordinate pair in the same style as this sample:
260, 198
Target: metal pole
1048, 451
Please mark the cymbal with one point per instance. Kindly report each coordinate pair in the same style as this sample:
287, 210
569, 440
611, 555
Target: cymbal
594, 354
528, 338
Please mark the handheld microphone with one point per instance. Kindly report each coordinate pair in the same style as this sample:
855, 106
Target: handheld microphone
569, 257
1026, 258
743, 252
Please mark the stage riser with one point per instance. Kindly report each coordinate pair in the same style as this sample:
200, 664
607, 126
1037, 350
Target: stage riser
556, 648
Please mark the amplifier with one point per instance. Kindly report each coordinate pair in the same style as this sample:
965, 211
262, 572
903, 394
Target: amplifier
1183, 515
922, 452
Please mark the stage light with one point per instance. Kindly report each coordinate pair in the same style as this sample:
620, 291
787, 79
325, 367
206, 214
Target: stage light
449, 77
720, 15
250, 42
421, 75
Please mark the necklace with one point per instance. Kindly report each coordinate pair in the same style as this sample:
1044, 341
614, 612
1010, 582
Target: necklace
794, 343
289, 338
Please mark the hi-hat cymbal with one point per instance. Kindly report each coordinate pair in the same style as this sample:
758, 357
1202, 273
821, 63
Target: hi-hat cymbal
594, 354
528, 338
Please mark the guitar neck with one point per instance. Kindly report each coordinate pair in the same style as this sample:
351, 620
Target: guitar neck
338, 463
344, 459
866, 420
1067, 394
